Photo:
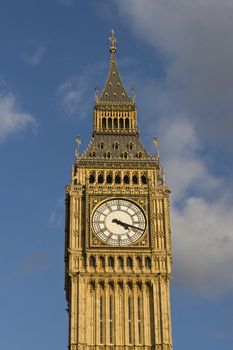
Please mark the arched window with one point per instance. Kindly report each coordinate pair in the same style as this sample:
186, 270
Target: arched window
116, 145
110, 123
115, 122
92, 154
109, 179
120, 262
139, 262
108, 154
125, 155
91, 178
148, 262
100, 179
111, 262
101, 145
102, 262
126, 179
135, 179
127, 123
92, 261
117, 179
144, 179
75, 181
129, 262
104, 123
130, 145
121, 123
139, 155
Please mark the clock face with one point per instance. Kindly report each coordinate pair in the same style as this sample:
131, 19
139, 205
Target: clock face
118, 222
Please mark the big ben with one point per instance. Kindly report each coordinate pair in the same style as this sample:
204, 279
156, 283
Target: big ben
117, 235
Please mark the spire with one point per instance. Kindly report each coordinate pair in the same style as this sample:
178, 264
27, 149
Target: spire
114, 111
114, 92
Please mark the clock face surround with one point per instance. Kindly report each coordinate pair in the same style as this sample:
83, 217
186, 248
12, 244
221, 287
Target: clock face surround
118, 222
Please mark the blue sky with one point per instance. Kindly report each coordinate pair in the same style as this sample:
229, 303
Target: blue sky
179, 57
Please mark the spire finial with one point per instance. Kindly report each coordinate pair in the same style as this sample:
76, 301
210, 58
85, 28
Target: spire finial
112, 41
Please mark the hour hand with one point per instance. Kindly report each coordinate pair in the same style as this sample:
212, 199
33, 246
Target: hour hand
126, 226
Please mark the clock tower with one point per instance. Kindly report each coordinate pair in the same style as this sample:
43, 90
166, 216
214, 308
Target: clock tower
117, 234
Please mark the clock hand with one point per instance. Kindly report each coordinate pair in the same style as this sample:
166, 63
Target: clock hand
135, 227
125, 225
120, 223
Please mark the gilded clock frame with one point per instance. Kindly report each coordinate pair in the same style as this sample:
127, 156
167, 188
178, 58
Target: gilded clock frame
92, 241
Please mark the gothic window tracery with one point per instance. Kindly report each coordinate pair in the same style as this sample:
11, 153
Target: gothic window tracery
130, 145
110, 123
111, 262
101, 145
121, 122
92, 178
92, 261
139, 262
109, 179
129, 262
148, 262
144, 179
104, 123
126, 179
100, 178
115, 123
117, 179
135, 179
116, 145
120, 262
108, 154
102, 262
93, 154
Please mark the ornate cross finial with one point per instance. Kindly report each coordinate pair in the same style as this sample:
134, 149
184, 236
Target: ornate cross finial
112, 41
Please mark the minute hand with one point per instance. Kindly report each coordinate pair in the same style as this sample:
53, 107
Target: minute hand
135, 227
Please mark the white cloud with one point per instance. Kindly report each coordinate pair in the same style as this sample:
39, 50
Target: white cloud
56, 217
35, 57
195, 37
12, 119
75, 94
188, 108
185, 165
203, 245
202, 213
72, 93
